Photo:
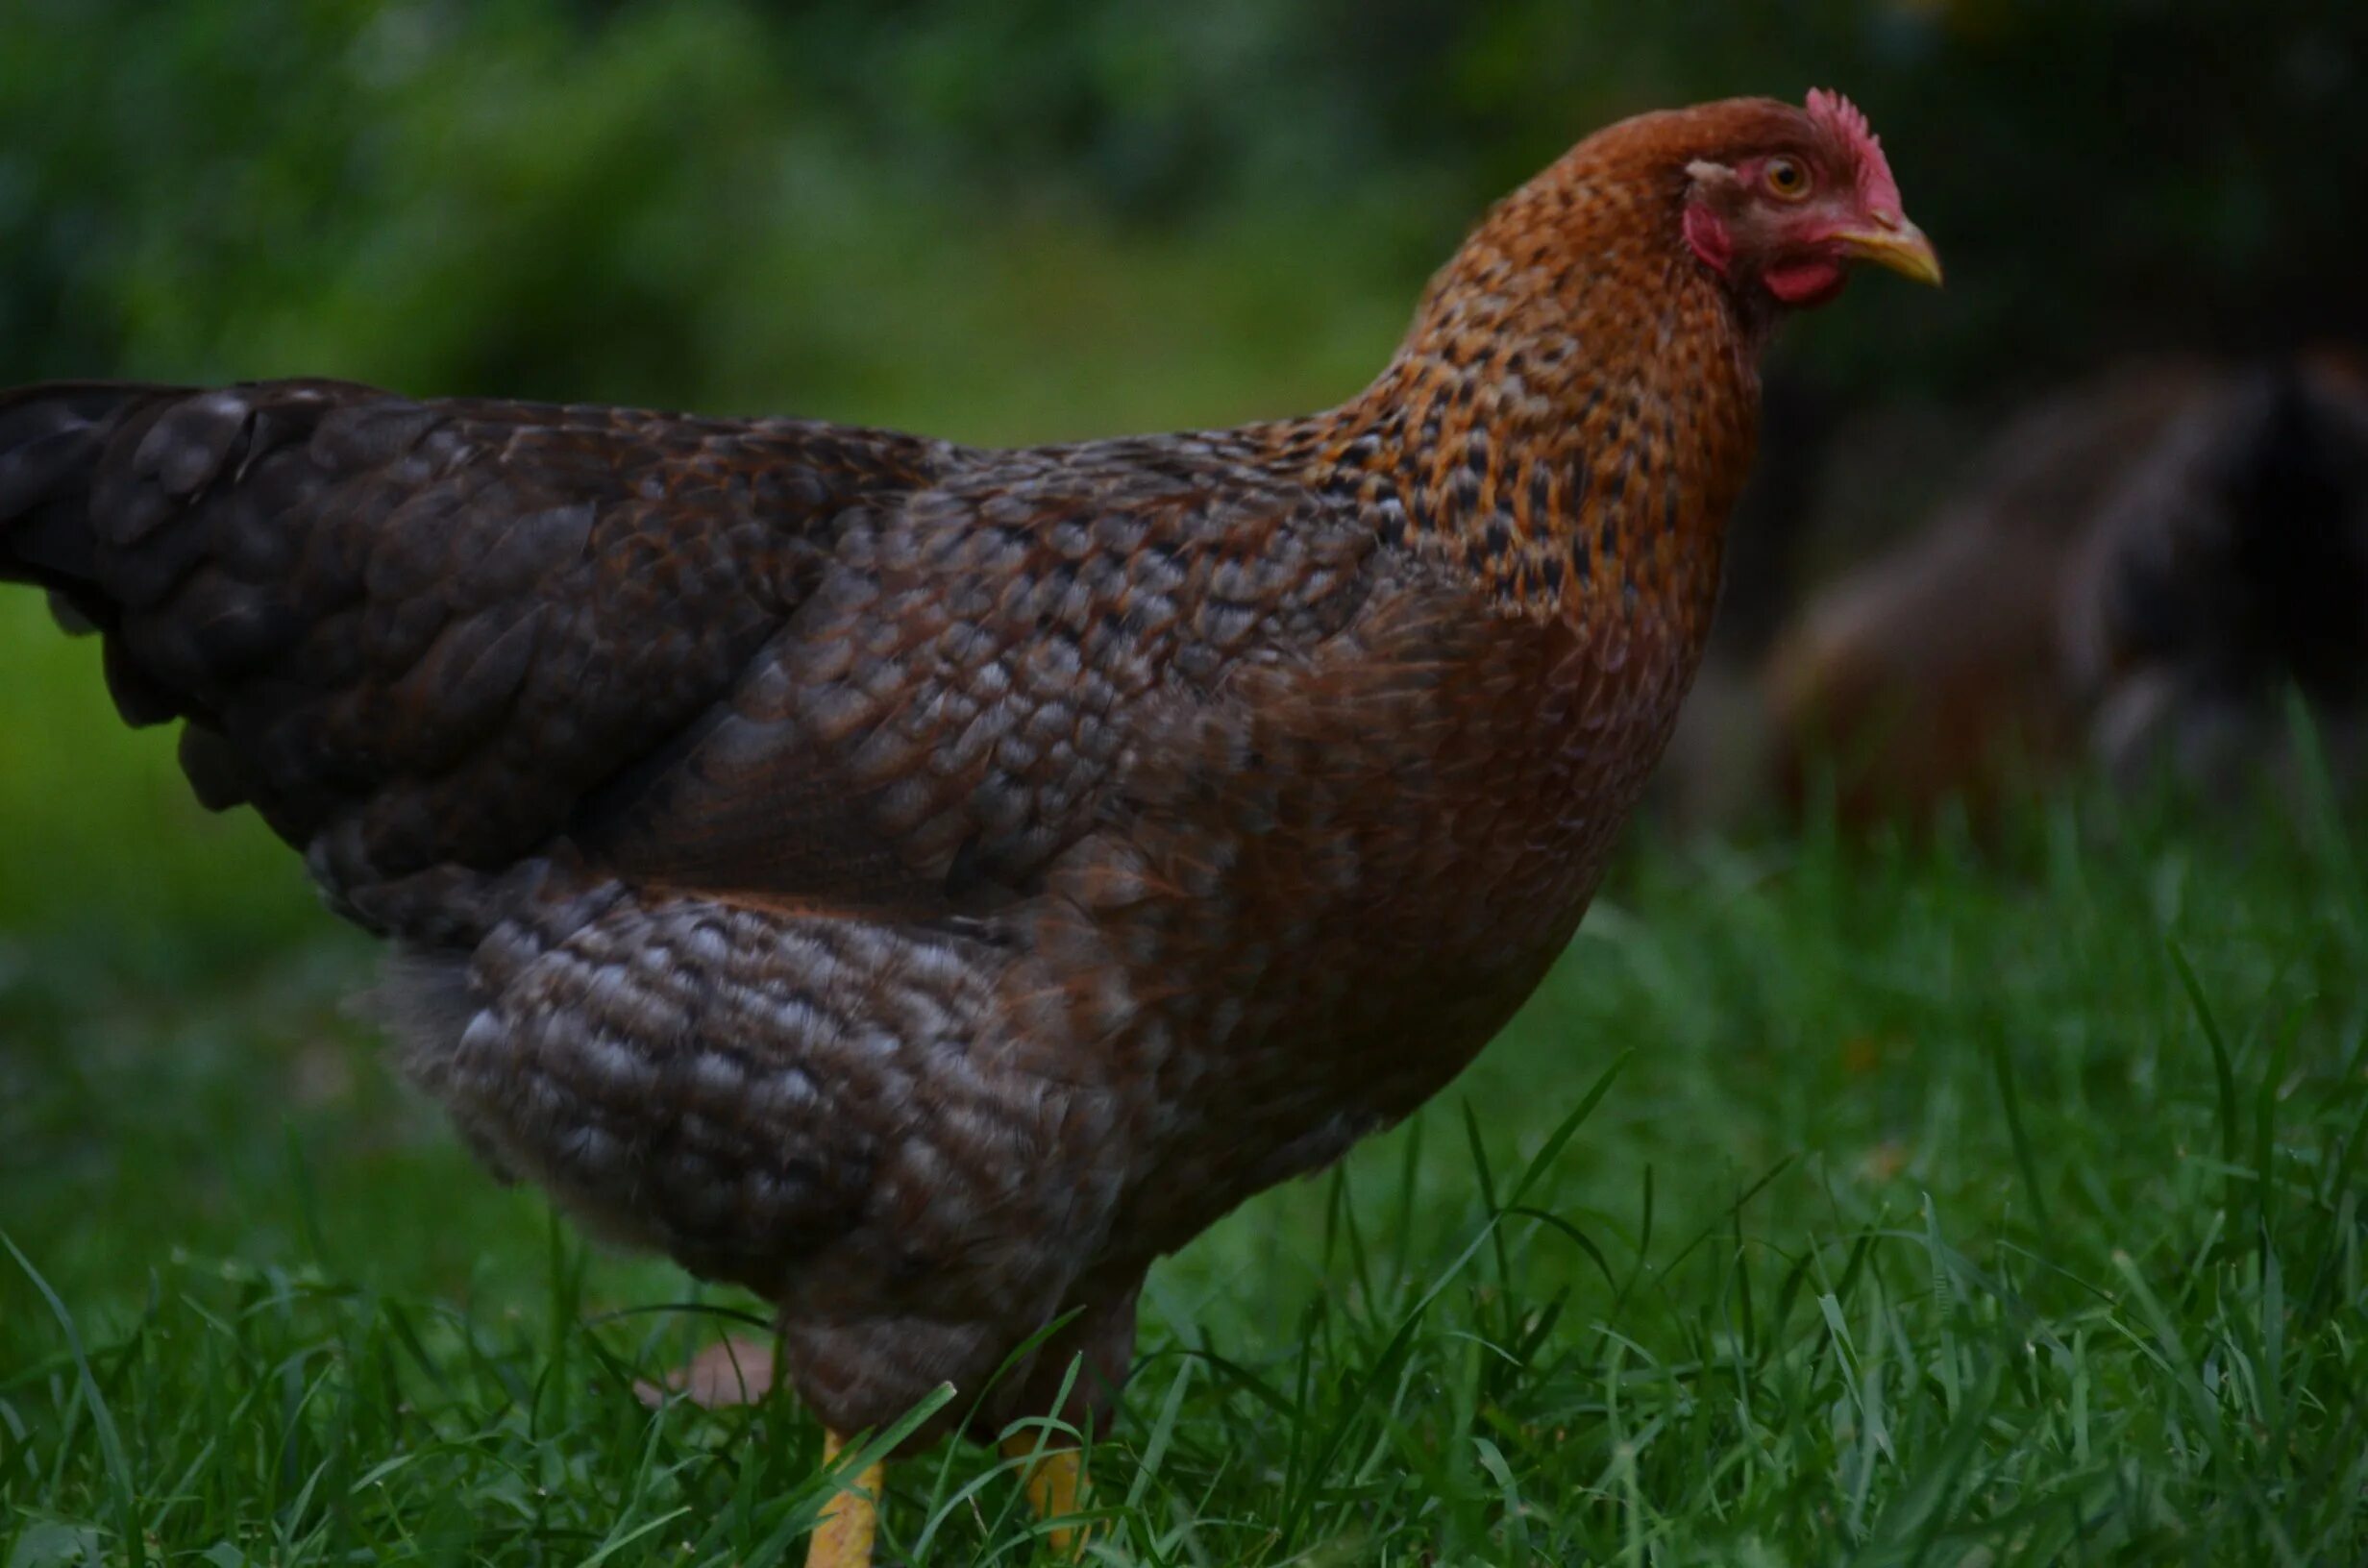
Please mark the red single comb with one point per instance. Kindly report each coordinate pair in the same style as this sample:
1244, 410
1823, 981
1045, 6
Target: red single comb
1839, 115
1840, 118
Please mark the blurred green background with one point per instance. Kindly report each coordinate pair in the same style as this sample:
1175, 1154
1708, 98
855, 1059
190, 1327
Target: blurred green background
1046, 218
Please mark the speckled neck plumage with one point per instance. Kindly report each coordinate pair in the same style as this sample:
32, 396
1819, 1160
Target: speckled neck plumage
1572, 415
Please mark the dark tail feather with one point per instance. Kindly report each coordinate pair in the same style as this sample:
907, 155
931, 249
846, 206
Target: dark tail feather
52, 441
52, 438
2298, 551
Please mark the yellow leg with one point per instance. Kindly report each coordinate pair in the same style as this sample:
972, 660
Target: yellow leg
1055, 1484
843, 1539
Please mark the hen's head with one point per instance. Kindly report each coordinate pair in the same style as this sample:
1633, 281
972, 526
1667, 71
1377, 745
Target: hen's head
1781, 201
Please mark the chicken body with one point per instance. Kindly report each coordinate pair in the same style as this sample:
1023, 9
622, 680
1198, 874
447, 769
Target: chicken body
926, 884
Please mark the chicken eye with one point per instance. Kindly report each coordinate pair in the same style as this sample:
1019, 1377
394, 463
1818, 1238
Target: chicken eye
1787, 179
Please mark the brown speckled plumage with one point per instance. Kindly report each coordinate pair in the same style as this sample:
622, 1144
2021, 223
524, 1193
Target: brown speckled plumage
926, 884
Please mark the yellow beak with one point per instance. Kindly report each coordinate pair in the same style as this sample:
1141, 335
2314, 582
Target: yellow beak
1902, 248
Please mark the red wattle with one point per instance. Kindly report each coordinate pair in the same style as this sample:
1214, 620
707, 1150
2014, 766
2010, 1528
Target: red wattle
1806, 282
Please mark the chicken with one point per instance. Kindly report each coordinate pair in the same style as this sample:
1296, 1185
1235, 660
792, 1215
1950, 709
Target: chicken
1932, 671
925, 885
2228, 569
2151, 561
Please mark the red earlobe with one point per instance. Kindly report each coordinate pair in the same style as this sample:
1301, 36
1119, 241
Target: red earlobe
1706, 236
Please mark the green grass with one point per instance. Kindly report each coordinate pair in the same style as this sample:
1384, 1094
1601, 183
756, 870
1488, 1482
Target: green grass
1900, 1202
